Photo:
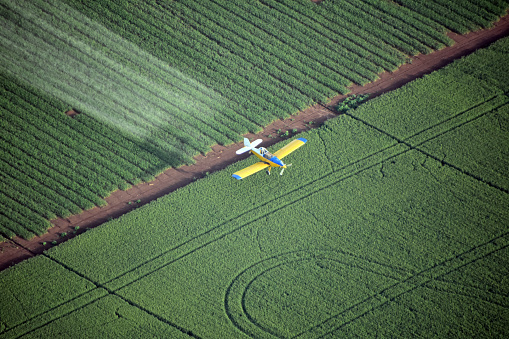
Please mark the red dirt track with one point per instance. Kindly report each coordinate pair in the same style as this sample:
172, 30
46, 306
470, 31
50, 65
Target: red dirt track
121, 202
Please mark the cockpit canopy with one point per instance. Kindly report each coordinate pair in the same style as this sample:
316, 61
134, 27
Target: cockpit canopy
265, 153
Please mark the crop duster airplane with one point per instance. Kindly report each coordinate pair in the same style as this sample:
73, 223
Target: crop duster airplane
268, 160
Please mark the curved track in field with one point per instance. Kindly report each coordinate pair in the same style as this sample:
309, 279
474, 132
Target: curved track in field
121, 202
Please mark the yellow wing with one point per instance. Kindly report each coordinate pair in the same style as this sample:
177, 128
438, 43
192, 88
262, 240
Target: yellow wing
283, 152
249, 170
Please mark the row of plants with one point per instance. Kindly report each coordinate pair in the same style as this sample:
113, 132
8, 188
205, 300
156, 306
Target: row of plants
362, 47
134, 14
432, 38
360, 13
345, 49
116, 160
145, 64
389, 35
208, 23
420, 22
21, 219
210, 68
38, 144
136, 125
92, 157
143, 90
487, 8
291, 43
45, 172
42, 168
63, 139
458, 16
292, 68
208, 63
126, 90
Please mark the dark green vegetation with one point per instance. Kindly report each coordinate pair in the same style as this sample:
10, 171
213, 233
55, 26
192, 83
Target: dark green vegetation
351, 102
158, 82
393, 222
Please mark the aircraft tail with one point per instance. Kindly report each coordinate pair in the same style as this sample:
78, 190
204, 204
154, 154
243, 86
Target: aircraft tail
248, 145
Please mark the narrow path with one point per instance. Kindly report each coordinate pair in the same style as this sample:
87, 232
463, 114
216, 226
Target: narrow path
121, 202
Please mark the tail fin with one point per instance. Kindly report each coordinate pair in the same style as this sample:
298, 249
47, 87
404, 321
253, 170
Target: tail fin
248, 145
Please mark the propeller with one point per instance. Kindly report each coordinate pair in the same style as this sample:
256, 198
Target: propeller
283, 169
248, 145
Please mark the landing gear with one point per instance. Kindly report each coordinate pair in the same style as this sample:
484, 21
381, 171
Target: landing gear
268, 171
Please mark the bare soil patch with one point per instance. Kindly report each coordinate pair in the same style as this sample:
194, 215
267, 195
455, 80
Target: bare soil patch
121, 202
72, 113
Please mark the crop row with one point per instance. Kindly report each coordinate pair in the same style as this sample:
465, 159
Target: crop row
93, 171
38, 180
142, 89
383, 31
144, 64
261, 78
487, 8
241, 57
179, 49
239, 46
49, 167
457, 15
83, 130
421, 31
56, 87
283, 48
121, 88
219, 42
291, 69
116, 168
360, 12
223, 32
20, 217
33, 185
361, 46
301, 43
34, 159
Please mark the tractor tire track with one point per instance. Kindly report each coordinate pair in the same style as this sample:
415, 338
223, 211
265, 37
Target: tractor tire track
408, 285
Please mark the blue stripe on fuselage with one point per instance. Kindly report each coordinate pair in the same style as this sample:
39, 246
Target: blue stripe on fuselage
275, 160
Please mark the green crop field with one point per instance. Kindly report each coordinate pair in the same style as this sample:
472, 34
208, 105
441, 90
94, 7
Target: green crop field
158, 82
393, 222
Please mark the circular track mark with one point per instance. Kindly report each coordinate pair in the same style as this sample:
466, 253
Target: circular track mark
241, 295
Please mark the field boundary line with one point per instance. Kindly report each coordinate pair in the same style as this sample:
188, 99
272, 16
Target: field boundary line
237, 223
419, 279
42, 320
460, 119
456, 290
406, 142
70, 308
